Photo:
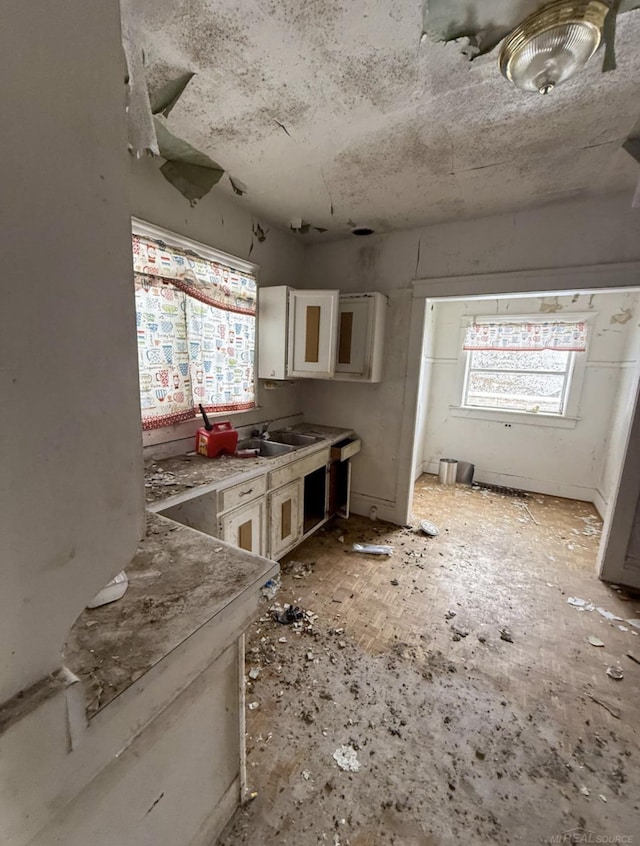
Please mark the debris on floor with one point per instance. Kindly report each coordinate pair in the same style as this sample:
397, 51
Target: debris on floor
615, 673
580, 604
459, 632
270, 588
287, 614
583, 605
595, 641
429, 528
346, 758
487, 732
372, 548
505, 634
608, 615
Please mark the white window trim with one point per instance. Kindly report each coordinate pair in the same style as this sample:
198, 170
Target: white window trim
174, 239
569, 419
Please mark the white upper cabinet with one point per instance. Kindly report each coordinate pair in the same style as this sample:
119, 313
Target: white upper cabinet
360, 338
320, 334
313, 318
273, 332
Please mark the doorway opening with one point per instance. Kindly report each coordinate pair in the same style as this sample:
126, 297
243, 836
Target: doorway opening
554, 424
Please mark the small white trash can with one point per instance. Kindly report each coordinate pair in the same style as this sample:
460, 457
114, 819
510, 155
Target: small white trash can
447, 471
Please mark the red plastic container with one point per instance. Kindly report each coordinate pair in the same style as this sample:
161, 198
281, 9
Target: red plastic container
220, 438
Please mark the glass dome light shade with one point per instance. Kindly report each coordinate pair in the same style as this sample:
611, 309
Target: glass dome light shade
554, 43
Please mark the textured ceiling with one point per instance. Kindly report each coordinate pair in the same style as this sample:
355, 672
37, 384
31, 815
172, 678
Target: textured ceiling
339, 113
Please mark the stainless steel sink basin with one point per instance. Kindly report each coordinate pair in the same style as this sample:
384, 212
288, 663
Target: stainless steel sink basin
295, 439
269, 449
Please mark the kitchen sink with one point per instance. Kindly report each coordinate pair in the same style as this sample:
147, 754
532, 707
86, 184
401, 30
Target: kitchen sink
294, 439
268, 449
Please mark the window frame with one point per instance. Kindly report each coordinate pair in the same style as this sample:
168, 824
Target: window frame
566, 385
570, 417
175, 239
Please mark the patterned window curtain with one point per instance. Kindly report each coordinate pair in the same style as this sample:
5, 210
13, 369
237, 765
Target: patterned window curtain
526, 337
196, 325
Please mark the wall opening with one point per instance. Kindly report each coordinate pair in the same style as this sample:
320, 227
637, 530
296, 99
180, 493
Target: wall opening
579, 454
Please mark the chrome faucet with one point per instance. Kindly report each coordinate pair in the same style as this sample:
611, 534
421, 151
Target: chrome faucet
262, 431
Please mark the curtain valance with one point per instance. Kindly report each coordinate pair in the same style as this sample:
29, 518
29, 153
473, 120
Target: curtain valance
210, 282
527, 336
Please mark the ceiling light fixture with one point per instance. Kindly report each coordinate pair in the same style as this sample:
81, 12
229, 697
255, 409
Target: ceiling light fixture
552, 44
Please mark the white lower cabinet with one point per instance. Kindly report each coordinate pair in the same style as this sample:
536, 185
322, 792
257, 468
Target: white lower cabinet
269, 514
245, 526
285, 518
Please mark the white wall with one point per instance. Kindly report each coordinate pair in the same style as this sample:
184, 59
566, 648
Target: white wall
375, 411
581, 232
532, 454
222, 223
621, 414
71, 495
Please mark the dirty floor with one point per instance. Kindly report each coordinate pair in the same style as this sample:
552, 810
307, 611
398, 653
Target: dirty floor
457, 676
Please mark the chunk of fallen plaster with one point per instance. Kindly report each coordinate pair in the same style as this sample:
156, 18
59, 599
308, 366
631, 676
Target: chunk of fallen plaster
346, 758
580, 604
608, 615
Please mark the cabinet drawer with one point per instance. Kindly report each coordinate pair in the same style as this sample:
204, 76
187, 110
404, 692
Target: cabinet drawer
239, 494
345, 449
297, 469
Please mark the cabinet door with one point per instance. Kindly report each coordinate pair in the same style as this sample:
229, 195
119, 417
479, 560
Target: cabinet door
245, 527
354, 321
312, 333
273, 304
360, 337
285, 517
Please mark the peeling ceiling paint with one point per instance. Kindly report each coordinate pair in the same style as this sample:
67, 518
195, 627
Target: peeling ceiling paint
334, 111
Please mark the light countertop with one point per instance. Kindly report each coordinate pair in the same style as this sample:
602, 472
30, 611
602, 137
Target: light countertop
179, 580
169, 477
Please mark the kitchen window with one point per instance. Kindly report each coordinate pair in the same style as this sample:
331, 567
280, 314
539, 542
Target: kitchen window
196, 328
521, 366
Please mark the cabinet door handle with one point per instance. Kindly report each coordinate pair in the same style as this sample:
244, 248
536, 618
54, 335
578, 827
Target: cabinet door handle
246, 493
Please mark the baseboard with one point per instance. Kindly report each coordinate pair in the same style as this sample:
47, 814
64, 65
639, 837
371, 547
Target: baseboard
362, 504
549, 487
